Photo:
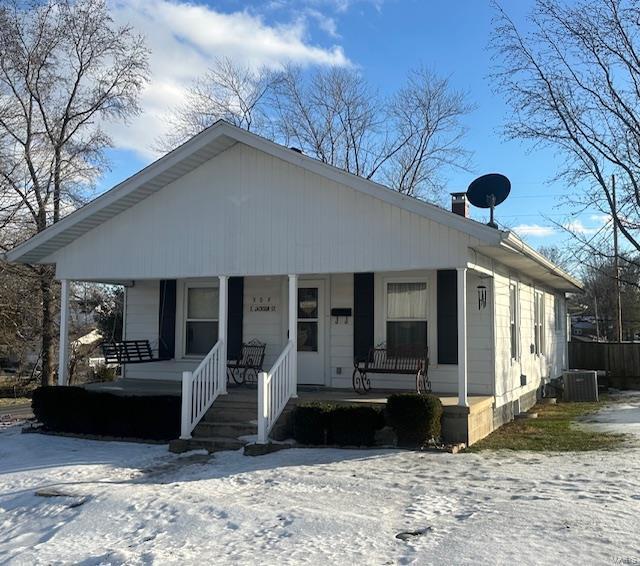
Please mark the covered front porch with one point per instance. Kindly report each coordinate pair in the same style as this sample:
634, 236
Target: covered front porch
313, 327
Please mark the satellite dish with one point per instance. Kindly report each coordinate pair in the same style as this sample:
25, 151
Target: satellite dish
489, 191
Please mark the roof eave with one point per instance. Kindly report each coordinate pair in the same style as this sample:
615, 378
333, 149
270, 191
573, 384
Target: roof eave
510, 240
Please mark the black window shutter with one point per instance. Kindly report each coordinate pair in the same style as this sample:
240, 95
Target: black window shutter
234, 320
447, 317
167, 320
362, 314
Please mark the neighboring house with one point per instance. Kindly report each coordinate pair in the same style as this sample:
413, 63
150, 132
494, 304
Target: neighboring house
231, 237
584, 328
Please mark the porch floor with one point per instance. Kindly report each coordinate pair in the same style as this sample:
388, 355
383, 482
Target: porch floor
142, 387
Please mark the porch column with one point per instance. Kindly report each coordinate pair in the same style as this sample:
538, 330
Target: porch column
462, 336
222, 328
293, 331
63, 361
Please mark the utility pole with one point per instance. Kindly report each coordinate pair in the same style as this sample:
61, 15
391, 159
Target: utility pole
616, 263
595, 300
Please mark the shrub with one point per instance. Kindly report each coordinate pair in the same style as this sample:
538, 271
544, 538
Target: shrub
415, 418
354, 425
344, 425
310, 423
103, 372
77, 410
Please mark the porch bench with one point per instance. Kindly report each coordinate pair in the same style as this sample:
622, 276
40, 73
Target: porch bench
246, 368
405, 360
128, 352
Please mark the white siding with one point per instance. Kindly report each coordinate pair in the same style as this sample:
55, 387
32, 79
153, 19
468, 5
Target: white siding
247, 213
444, 378
142, 323
480, 359
268, 327
341, 331
537, 368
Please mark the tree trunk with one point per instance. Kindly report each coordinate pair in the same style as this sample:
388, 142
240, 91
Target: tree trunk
48, 334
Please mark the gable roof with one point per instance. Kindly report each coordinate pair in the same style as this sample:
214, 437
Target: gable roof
220, 137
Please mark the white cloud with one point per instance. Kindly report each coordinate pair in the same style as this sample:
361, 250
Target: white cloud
534, 230
577, 227
325, 23
601, 219
185, 38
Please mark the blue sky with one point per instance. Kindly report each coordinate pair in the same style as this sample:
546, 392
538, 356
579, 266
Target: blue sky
383, 38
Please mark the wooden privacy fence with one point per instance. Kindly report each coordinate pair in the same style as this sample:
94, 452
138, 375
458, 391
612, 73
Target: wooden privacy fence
621, 360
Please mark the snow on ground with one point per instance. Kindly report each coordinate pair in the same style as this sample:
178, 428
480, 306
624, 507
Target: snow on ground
125, 503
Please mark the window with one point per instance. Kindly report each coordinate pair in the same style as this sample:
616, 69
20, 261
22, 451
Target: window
538, 322
201, 326
406, 316
513, 319
557, 313
308, 319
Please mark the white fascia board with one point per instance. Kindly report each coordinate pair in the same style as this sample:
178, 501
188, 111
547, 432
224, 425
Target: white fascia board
512, 242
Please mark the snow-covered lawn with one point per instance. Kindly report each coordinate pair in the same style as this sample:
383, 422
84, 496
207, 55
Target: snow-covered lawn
138, 504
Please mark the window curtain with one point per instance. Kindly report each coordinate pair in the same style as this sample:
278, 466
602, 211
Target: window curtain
202, 302
407, 301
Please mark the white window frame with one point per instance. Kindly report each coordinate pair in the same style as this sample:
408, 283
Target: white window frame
417, 279
538, 323
185, 314
557, 313
514, 321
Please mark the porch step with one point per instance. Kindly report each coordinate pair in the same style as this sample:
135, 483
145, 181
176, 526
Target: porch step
230, 417
230, 414
209, 443
228, 429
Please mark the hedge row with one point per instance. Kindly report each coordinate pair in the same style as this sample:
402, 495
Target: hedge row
348, 425
77, 410
414, 418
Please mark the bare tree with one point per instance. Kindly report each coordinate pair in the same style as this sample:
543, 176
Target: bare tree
65, 69
556, 255
405, 141
427, 116
334, 115
331, 114
573, 84
598, 298
228, 91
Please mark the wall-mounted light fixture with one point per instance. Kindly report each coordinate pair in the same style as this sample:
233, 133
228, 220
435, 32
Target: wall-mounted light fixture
482, 297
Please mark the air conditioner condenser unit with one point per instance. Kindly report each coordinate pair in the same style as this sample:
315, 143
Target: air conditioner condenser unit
580, 385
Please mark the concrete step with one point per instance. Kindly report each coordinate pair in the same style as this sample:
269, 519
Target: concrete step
225, 429
230, 417
209, 443
224, 415
225, 401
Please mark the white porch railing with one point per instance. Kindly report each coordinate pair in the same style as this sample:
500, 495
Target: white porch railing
201, 387
275, 388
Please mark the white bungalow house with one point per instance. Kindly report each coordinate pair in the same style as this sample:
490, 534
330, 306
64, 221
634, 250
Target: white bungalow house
231, 238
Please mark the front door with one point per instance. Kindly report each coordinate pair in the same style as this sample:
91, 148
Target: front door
311, 332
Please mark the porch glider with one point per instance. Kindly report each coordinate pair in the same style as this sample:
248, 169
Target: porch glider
129, 352
402, 360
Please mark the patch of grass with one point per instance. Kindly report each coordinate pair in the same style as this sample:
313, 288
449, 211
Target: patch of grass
13, 402
12, 386
554, 430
